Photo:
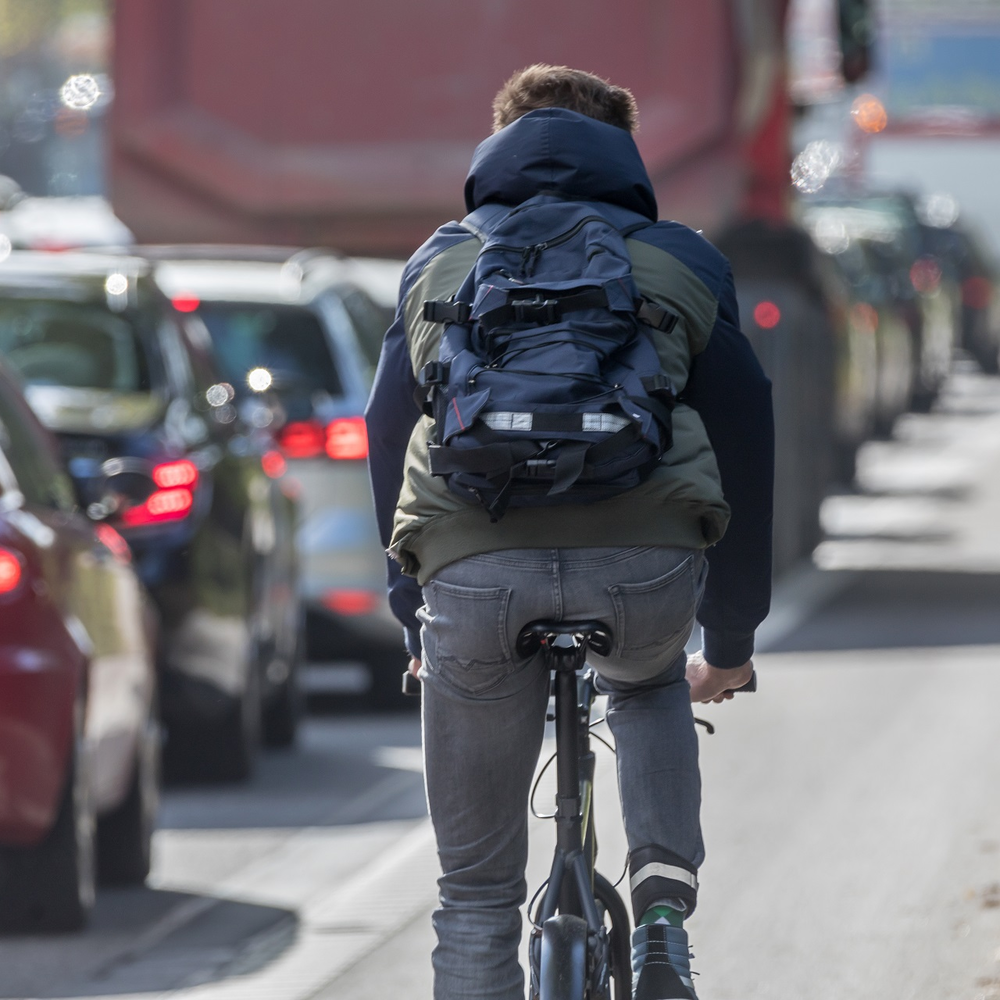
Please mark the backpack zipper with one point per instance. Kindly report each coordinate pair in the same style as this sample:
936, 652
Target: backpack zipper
531, 253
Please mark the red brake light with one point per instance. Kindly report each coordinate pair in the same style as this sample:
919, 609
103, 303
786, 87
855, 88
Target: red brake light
350, 602
10, 571
925, 275
766, 315
273, 464
347, 438
185, 302
173, 499
977, 292
173, 474
301, 439
163, 505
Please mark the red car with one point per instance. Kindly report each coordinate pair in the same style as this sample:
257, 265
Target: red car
79, 737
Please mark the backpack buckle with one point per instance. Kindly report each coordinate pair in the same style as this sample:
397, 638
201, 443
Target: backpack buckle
536, 310
434, 373
437, 311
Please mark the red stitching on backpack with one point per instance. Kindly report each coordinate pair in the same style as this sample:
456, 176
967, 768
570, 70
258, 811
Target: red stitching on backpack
454, 406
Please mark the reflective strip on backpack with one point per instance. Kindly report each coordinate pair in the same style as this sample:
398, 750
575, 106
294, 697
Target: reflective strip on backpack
606, 422
506, 420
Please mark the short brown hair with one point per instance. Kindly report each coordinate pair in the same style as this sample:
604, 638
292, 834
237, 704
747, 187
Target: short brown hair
543, 86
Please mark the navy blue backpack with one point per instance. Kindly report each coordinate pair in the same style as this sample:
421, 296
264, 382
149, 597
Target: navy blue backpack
547, 388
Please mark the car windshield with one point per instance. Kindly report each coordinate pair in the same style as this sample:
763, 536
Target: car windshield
72, 344
288, 341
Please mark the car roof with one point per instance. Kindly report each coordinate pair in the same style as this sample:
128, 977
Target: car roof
83, 263
267, 274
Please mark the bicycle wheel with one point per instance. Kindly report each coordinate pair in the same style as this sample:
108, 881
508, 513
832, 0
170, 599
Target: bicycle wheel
620, 944
563, 974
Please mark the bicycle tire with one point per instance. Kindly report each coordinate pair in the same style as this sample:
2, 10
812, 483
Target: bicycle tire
620, 944
563, 972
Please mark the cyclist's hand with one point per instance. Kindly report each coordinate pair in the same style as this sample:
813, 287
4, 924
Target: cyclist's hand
713, 684
414, 665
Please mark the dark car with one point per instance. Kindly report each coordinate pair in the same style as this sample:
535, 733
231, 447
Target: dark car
309, 324
976, 271
903, 253
164, 453
79, 736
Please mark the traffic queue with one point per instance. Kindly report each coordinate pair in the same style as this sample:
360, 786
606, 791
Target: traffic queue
186, 529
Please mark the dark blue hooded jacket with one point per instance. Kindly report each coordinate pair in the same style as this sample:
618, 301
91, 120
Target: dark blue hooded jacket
578, 157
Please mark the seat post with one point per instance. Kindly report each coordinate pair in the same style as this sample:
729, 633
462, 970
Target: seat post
568, 833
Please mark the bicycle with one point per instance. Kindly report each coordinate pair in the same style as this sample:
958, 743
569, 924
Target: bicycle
580, 941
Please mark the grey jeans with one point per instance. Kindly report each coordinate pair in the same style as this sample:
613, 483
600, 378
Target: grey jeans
484, 719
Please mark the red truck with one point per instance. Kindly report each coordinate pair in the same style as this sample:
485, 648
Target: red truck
301, 122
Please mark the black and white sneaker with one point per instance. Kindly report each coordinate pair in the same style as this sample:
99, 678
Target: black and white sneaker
661, 964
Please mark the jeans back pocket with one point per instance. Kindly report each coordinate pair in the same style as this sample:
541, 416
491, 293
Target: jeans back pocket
653, 614
465, 635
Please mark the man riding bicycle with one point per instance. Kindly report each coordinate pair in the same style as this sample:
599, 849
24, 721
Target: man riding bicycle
691, 541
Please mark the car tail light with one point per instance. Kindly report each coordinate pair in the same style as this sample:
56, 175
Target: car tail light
172, 501
185, 302
11, 571
173, 474
766, 315
302, 439
273, 464
350, 602
342, 438
977, 292
925, 275
347, 438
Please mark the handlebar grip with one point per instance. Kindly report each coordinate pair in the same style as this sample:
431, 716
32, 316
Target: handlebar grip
411, 684
751, 685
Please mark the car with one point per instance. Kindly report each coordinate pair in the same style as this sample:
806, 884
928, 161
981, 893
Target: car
974, 267
902, 253
310, 323
129, 386
79, 731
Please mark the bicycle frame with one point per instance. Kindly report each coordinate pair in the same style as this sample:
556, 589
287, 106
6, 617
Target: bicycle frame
576, 898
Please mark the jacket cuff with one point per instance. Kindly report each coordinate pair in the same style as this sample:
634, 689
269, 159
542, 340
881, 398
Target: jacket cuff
413, 643
726, 649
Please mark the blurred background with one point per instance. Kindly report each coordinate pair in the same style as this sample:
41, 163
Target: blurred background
204, 212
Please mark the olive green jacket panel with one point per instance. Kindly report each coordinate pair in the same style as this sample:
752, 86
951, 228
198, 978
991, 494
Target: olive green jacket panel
439, 280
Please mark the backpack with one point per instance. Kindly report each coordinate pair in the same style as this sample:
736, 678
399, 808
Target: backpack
547, 388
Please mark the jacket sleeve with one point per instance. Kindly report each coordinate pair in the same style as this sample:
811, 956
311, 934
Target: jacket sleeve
391, 415
732, 396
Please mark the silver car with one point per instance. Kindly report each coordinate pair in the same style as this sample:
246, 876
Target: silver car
305, 328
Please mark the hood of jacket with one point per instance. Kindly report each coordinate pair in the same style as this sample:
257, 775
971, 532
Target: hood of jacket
563, 152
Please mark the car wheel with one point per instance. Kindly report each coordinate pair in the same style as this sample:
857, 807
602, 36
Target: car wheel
125, 835
221, 747
230, 748
50, 886
283, 709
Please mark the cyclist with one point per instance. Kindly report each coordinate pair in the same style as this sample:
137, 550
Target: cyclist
648, 561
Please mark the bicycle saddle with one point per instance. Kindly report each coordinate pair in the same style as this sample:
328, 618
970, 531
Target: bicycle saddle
593, 635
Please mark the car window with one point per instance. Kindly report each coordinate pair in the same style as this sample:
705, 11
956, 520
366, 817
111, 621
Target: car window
31, 456
73, 344
289, 341
370, 323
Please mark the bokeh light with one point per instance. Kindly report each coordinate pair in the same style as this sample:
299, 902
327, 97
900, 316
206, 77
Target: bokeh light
869, 114
812, 168
80, 92
259, 379
116, 284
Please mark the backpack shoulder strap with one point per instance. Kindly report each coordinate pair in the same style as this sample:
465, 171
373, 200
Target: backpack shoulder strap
482, 220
